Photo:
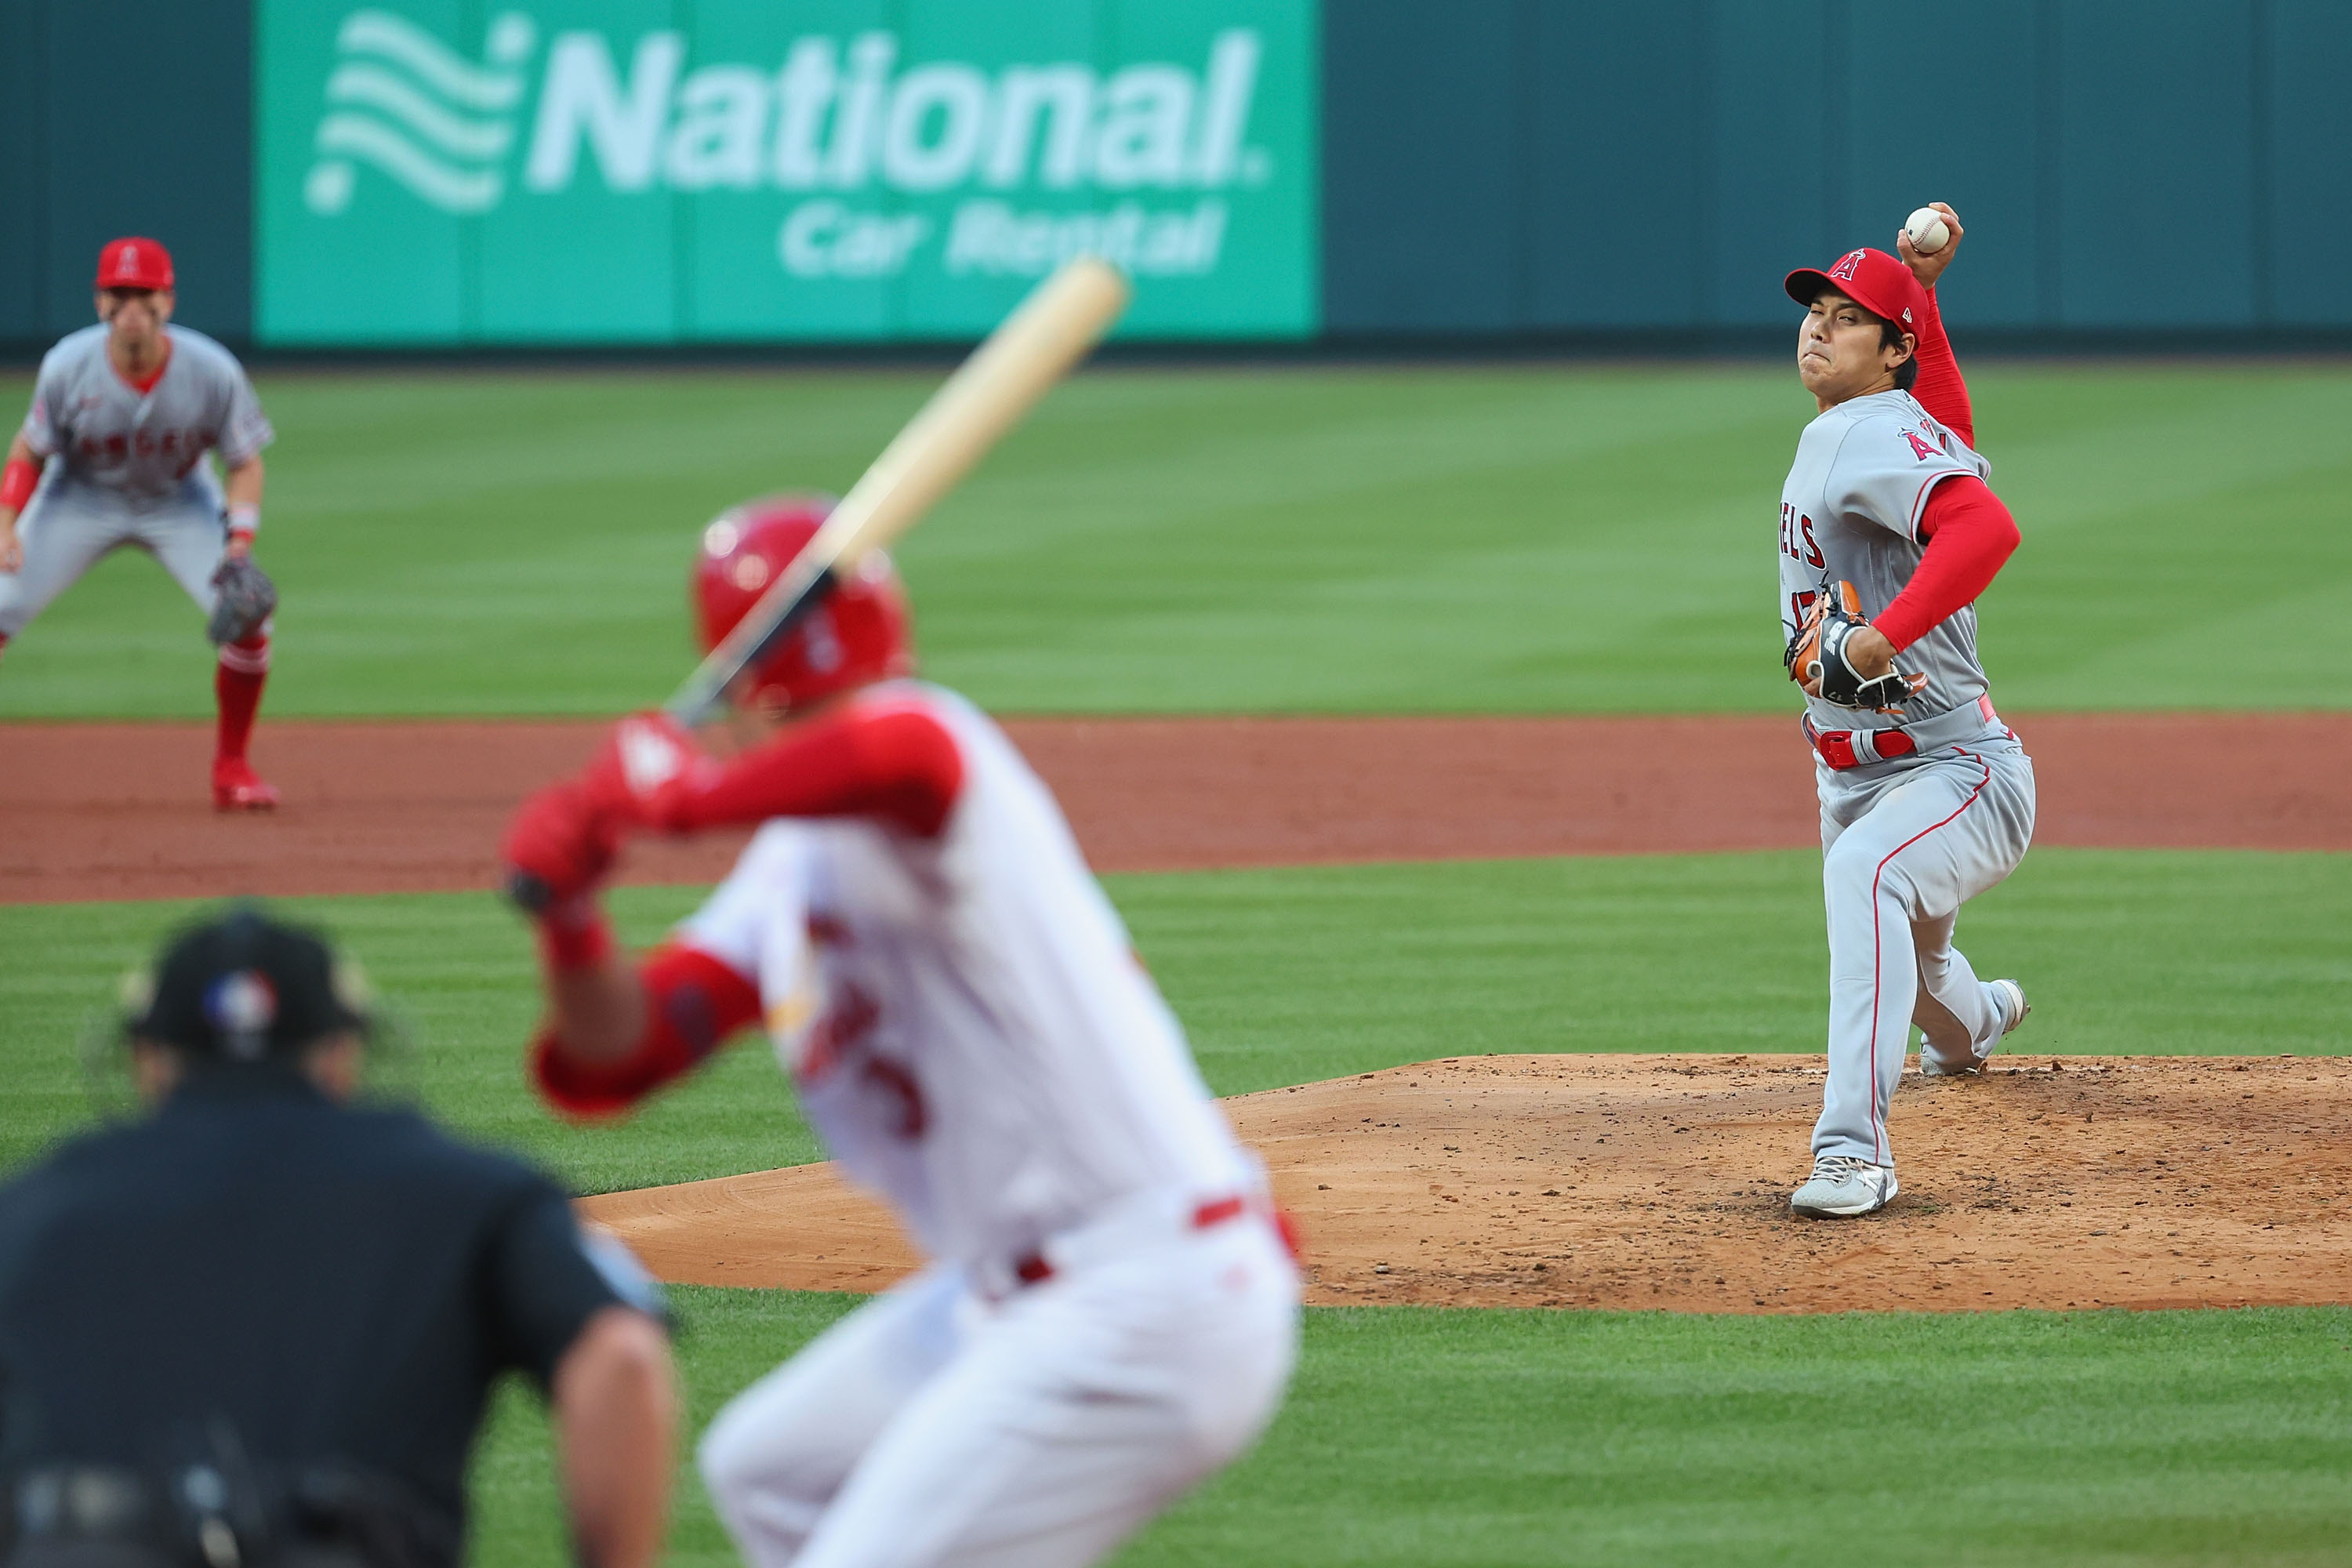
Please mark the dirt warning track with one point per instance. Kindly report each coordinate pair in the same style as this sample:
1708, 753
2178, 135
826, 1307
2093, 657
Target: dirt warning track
120, 811
1662, 1182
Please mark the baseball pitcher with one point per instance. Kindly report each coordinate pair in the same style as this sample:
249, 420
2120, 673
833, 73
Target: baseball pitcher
1110, 1313
1888, 534
112, 454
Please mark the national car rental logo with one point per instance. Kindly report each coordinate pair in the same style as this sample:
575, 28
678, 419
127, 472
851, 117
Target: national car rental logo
433, 122
838, 118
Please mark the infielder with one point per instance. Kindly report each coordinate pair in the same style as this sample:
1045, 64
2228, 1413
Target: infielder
1110, 1311
1926, 798
127, 409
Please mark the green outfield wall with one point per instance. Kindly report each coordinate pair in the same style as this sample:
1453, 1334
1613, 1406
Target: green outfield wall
2125, 166
455, 174
132, 116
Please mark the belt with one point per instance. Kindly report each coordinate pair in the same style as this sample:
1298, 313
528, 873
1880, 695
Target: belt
1035, 1268
322, 1515
1844, 749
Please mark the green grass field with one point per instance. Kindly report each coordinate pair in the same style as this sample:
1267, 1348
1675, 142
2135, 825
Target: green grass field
1524, 539
1290, 976
1415, 1436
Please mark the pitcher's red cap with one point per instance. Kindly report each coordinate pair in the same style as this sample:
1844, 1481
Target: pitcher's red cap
134, 263
1873, 279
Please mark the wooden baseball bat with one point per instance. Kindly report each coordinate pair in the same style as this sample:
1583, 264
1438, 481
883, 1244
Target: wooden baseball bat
1029, 352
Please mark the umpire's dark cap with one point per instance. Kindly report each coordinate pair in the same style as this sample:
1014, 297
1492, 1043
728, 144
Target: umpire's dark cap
242, 988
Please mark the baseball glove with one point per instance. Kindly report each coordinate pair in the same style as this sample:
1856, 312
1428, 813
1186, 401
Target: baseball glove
246, 598
1818, 653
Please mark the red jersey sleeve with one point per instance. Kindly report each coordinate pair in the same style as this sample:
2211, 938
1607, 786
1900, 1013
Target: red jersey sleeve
1940, 389
892, 760
1971, 535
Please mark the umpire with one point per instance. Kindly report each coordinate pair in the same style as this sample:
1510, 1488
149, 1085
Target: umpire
259, 1327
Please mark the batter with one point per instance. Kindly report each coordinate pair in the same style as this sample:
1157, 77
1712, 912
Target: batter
1110, 1313
112, 454
1927, 796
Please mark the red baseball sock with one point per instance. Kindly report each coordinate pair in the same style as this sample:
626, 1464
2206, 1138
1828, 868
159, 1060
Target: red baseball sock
237, 689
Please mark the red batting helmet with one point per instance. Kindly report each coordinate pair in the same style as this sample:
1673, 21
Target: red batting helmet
1872, 279
134, 263
858, 634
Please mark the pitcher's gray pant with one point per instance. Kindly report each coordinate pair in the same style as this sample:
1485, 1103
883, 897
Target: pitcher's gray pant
1900, 853
67, 527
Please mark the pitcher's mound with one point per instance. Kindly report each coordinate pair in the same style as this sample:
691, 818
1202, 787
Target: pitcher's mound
1664, 1182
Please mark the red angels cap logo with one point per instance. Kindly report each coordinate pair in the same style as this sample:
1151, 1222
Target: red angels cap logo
1907, 315
1848, 264
130, 258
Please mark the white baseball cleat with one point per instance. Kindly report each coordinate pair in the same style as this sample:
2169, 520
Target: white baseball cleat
2013, 1004
1842, 1186
2013, 1009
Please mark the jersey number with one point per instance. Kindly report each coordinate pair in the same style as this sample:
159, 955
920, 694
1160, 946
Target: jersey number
840, 1038
1797, 538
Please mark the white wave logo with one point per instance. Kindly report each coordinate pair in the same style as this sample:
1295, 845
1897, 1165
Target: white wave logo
404, 103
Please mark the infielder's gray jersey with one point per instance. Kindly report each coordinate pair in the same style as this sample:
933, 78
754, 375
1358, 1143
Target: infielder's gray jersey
1850, 512
144, 448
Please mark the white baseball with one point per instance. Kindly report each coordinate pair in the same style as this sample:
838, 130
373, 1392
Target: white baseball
1927, 230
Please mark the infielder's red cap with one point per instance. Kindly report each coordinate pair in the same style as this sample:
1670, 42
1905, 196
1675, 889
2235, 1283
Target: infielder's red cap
1873, 279
134, 263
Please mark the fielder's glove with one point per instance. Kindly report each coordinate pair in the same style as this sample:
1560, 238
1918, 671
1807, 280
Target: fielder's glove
1818, 653
246, 599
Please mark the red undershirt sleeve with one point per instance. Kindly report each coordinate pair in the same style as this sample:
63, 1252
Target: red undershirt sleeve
1970, 536
1940, 389
693, 1003
893, 761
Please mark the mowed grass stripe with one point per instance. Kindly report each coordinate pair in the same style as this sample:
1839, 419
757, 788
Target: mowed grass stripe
1418, 1436
1288, 976
1529, 538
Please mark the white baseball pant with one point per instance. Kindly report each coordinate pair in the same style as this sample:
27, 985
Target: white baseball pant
1900, 854
66, 528
932, 1426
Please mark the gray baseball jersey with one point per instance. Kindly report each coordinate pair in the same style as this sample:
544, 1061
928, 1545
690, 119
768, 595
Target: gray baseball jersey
126, 467
1850, 512
142, 448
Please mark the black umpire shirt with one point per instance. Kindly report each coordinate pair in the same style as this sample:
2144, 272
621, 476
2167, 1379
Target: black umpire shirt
344, 1284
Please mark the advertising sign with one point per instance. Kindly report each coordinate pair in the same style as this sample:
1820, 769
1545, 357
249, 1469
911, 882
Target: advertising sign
658, 171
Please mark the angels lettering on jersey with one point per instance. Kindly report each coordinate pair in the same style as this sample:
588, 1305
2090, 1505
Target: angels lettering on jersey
143, 446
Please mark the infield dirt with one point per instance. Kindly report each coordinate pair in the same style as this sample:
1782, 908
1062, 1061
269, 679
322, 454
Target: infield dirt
120, 811
1662, 1182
